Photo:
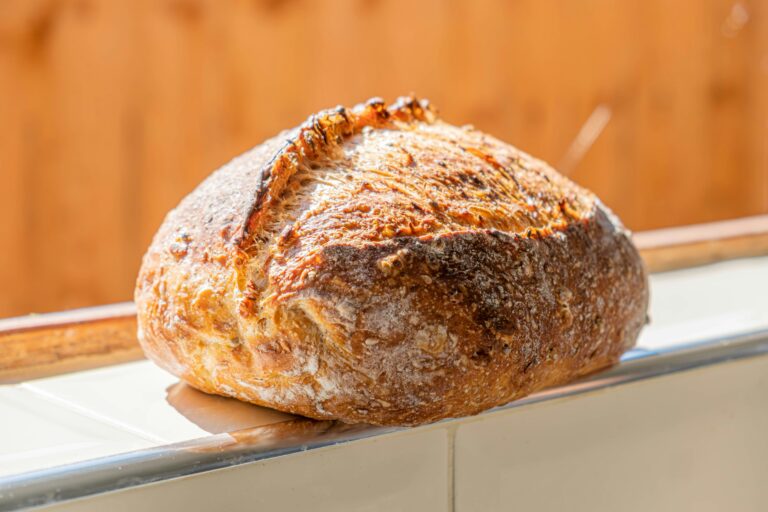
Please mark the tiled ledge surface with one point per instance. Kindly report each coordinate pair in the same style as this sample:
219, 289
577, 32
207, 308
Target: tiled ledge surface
36, 433
687, 440
110, 410
707, 302
80, 416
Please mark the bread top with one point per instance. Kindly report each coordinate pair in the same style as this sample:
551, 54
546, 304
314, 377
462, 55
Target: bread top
295, 241
357, 176
426, 177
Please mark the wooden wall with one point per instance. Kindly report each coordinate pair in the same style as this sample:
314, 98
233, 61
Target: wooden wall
112, 110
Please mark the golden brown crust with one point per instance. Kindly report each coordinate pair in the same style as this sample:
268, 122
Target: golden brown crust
377, 265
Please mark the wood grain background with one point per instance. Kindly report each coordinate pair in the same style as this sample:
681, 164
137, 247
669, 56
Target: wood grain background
112, 110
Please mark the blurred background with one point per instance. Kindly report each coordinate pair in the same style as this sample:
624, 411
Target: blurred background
112, 110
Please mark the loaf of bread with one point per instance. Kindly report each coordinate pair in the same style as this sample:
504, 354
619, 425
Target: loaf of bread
378, 265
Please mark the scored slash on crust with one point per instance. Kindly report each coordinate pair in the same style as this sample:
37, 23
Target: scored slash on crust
320, 135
